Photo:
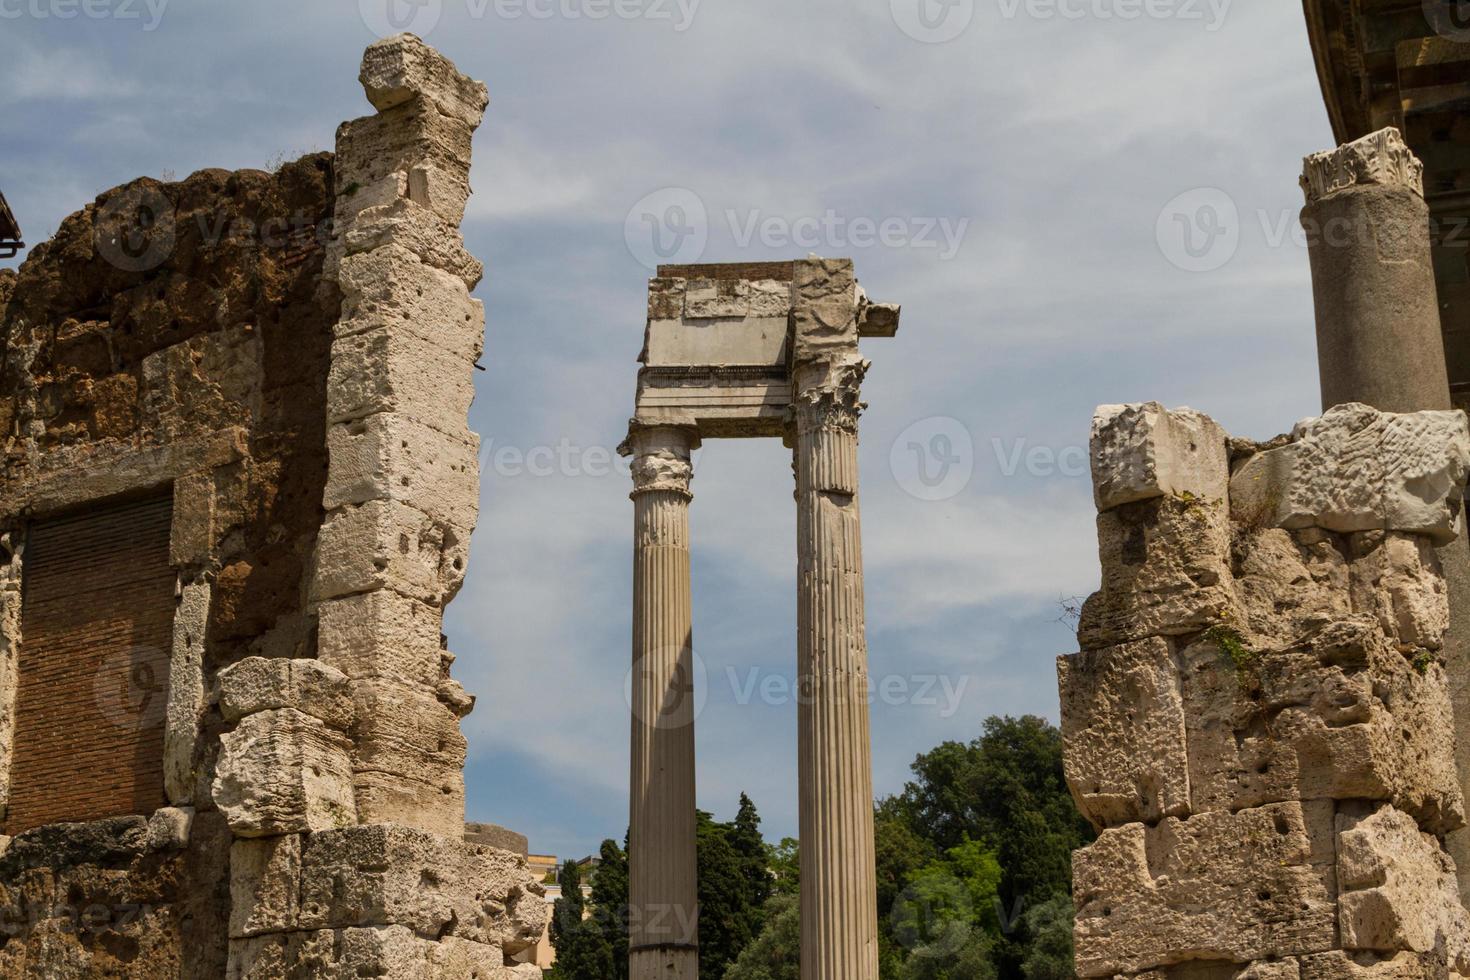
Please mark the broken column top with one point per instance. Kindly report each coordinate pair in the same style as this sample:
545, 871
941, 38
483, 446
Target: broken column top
723, 339
1381, 158
398, 69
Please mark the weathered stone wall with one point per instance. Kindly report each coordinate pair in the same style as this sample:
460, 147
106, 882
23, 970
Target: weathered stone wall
290, 356
1259, 723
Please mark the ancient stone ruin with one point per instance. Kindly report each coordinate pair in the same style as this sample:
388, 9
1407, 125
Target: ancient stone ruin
238, 491
1262, 721
749, 351
1259, 720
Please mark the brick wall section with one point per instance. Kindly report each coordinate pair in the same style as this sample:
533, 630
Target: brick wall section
96, 625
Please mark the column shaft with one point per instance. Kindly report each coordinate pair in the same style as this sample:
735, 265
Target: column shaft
839, 917
663, 887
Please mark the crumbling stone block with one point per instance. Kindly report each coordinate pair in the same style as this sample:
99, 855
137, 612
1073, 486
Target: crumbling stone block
1230, 886
394, 457
263, 684
265, 885
1166, 572
391, 287
284, 772
1140, 452
1359, 469
1399, 889
384, 544
384, 370
383, 634
433, 885
397, 69
1123, 732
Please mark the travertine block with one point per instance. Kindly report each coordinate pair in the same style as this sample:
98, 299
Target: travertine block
1123, 733
1165, 572
384, 544
406, 224
410, 135
395, 457
443, 193
1289, 583
430, 801
392, 370
391, 953
1344, 716
707, 299
1235, 887
283, 772
1397, 579
382, 634
434, 885
1143, 451
263, 684
403, 729
396, 69
1359, 469
391, 287
1368, 966
265, 885
1399, 889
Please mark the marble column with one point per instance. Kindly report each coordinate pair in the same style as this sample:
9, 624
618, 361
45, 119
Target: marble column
1380, 342
839, 914
662, 876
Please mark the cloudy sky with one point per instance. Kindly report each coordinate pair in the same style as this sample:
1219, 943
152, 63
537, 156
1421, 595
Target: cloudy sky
1077, 202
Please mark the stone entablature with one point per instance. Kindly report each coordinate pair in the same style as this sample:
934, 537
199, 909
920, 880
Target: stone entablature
1259, 722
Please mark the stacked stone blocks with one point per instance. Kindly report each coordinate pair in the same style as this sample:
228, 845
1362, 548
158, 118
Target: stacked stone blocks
1259, 723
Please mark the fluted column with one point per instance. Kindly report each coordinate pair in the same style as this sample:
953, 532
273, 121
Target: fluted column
839, 906
662, 876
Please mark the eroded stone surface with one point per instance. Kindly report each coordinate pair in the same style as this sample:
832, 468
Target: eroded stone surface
1144, 451
284, 772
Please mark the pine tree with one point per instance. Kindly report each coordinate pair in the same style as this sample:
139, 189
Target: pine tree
724, 906
750, 847
610, 905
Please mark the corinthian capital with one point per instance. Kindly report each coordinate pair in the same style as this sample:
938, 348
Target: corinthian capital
828, 393
661, 457
1378, 158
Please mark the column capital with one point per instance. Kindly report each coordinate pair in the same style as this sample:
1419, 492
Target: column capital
662, 456
1379, 158
828, 393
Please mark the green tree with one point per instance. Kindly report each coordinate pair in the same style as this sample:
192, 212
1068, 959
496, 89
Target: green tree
776, 953
750, 847
610, 904
1049, 953
784, 860
582, 952
725, 913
